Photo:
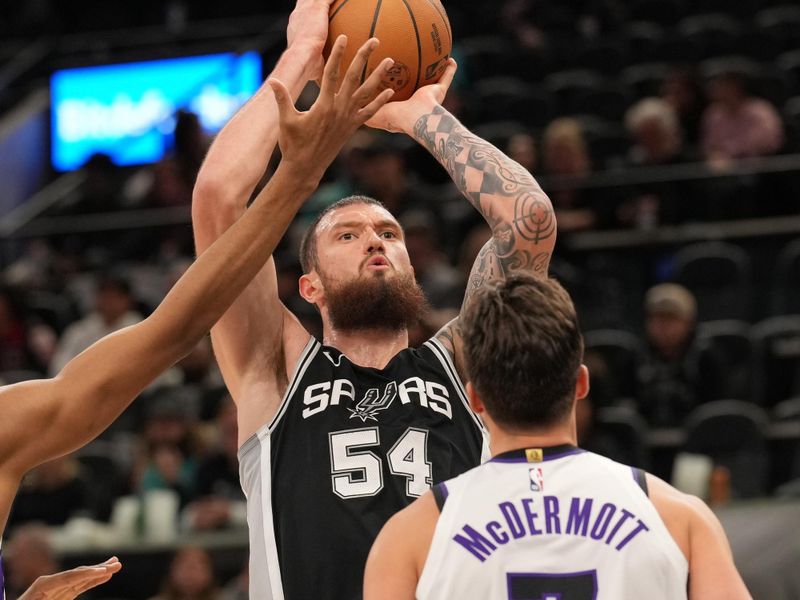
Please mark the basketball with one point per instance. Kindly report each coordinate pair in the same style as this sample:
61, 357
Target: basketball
415, 33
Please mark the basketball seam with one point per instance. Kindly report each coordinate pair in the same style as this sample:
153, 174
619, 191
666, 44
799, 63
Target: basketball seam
372, 35
419, 43
445, 20
336, 12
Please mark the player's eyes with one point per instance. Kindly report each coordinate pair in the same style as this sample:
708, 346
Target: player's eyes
347, 237
389, 235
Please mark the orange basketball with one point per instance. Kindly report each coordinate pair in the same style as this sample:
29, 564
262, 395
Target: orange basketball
415, 33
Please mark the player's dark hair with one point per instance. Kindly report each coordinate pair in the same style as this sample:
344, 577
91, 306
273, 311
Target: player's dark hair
523, 349
309, 260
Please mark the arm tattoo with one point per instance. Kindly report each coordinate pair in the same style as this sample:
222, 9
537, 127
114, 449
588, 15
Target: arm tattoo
492, 182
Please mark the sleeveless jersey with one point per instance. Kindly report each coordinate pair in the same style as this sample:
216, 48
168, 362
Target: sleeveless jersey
551, 524
349, 447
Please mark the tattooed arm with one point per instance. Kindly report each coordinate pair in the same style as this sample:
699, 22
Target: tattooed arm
515, 207
518, 211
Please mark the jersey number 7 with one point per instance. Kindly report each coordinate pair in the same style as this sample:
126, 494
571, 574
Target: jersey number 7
356, 472
552, 586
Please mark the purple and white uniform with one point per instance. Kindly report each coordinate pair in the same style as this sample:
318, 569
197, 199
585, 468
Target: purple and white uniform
554, 523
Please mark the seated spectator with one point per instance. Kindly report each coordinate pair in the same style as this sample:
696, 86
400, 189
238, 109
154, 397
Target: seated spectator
683, 90
168, 458
220, 501
190, 577
51, 493
440, 281
27, 556
566, 154
114, 310
521, 148
737, 124
655, 131
17, 347
674, 377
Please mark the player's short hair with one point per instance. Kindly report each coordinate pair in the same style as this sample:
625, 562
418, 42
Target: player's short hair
309, 259
523, 349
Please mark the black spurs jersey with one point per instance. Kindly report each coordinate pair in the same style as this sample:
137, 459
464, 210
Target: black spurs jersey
349, 447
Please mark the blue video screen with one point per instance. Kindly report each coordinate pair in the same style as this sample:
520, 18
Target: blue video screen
127, 110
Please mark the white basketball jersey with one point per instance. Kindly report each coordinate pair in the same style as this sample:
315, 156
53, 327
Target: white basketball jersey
551, 524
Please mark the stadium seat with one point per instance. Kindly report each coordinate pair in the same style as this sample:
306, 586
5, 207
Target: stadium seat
606, 55
786, 286
645, 79
783, 21
664, 12
787, 410
715, 33
608, 101
623, 353
789, 63
498, 133
643, 39
777, 359
628, 427
568, 87
607, 139
486, 56
729, 345
731, 432
509, 98
719, 275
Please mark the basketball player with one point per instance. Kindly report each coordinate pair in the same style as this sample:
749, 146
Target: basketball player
337, 436
544, 519
44, 419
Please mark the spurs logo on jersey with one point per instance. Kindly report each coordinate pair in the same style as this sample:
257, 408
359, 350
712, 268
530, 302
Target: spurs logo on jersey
320, 396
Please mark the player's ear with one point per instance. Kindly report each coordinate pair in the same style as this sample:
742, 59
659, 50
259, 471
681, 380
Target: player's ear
475, 403
311, 288
582, 383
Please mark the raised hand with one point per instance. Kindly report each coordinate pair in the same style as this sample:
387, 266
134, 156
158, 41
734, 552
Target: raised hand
311, 140
308, 31
68, 585
399, 117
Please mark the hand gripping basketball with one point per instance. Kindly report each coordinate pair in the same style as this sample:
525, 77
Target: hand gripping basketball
308, 30
311, 140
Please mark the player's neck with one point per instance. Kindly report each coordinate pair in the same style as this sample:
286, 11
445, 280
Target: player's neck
504, 440
368, 348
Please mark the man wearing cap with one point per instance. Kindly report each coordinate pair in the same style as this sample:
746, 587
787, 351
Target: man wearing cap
675, 376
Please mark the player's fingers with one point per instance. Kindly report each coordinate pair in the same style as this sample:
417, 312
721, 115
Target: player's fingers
331, 73
366, 113
373, 86
352, 79
449, 73
283, 98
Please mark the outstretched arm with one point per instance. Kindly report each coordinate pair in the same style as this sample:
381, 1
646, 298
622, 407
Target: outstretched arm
248, 339
515, 207
47, 418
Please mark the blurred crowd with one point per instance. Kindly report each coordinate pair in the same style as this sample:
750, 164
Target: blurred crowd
567, 89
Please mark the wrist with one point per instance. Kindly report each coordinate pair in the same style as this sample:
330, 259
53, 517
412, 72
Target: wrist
298, 177
303, 54
423, 109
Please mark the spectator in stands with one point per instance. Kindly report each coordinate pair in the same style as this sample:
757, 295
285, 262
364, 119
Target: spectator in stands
168, 458
191, 577
657, 140
114, 310
591, 435
441, 282
675, 376
15, 342
175, 174
52, 493
683, 90
566, 154
220, 501
737, 124
27, 556
521, 148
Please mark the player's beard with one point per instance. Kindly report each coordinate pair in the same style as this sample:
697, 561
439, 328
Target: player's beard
383, 302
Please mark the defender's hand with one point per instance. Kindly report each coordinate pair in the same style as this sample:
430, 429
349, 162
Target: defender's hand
310, 140
399, 117
68, 585
308, 31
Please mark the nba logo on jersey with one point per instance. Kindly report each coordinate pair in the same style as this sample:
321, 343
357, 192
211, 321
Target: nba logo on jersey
537, 480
